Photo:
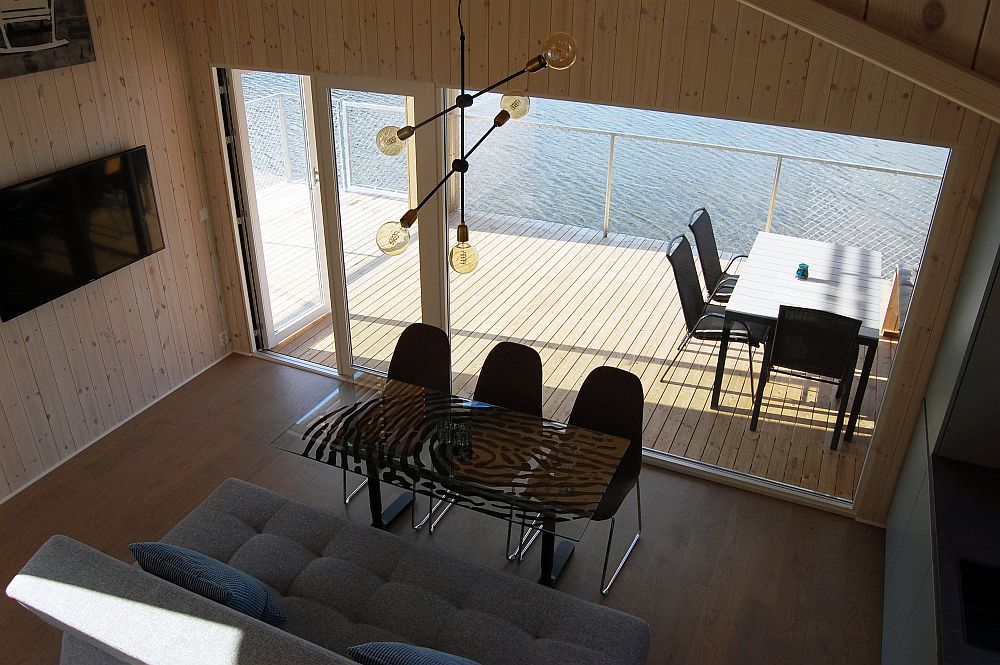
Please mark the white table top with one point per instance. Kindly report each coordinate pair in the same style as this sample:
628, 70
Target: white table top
843, 280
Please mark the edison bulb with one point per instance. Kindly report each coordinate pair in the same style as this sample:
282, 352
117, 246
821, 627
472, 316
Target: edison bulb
516, 103
559, 50
392, 238
463, 258
388, 141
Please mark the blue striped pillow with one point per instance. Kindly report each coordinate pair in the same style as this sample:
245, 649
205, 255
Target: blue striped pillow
397, 653
210, 578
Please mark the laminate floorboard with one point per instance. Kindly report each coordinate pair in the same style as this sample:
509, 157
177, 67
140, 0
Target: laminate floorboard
721, 575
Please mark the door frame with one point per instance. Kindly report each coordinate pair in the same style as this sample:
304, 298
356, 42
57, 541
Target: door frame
425, 155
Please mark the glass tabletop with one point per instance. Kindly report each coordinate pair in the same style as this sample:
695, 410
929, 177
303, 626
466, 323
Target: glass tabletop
504, 463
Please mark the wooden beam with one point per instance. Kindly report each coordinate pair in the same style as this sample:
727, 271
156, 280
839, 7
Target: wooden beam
943, 77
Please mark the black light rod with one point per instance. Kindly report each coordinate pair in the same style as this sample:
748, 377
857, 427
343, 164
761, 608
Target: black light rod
481, 139
500, 82
435, 116
434, 191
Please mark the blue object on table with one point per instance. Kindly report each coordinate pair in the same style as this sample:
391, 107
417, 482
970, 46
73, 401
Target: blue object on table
802, 272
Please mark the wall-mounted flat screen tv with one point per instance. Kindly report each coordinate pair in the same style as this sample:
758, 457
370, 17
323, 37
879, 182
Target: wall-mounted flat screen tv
66, 229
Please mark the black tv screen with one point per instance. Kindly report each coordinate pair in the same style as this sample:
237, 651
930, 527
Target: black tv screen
66, 229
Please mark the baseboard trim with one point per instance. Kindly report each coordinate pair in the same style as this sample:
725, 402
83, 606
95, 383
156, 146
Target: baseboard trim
112, 429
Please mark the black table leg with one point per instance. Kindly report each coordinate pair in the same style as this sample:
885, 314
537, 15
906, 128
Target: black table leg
553, 558
720, 367
381, 519
871, 349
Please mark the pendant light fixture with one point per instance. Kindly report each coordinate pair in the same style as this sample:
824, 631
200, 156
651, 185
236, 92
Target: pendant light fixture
393, 237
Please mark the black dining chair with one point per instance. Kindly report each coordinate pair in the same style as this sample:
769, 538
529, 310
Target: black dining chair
511, 377
719, 283
421, 357
702, 320
610, 401
811, 344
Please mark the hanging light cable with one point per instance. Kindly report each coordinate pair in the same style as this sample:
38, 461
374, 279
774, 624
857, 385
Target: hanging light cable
393, 237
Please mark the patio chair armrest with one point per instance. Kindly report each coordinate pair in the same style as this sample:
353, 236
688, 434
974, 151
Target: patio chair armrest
733, 260
725, 282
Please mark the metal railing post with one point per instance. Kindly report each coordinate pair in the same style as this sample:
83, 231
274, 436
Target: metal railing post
774, 193
286, 154
607, 191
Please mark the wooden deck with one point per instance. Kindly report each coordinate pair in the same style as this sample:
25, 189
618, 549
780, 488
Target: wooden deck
582, 301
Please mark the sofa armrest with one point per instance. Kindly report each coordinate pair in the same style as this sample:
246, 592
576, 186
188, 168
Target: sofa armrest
139, 618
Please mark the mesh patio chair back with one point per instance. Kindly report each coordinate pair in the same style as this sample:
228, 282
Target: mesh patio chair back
814, 341
708, 250
686, 276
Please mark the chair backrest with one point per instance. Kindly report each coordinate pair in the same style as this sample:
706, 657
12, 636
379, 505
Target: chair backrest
686, 277
512, 378
814, 341
422, 357
708, 251
610, 401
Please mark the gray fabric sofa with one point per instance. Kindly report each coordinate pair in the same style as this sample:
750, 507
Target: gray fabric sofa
340, 584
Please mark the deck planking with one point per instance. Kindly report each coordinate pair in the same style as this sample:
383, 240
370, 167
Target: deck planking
582, 300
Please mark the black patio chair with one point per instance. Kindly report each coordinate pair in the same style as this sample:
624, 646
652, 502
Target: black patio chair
703, 320
811, 344
610, 401
421, 357
719, 283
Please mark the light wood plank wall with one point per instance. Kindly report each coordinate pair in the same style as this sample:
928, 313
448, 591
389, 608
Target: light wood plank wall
714, 57
75, 368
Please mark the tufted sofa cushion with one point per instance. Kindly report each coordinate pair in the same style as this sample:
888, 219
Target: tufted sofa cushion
343, 584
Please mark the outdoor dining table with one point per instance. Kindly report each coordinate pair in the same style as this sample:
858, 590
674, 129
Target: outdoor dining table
510, 465
841, 279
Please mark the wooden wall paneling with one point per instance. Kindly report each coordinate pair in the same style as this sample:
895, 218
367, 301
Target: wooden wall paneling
369, 37
773, 36
30, 398
226, 29
668, 77
71, 372
478, 54
720, 56
626, 51
562, 21
212, 22
895, 105
697, 39
403, 20
336, 39
17, 420
108, 350
602, 64
539, 23
920, 113
647, 57
34, 124
423, 33
196, 300
518, 41
794, 69
843, 91
30, 336
12, 476
947, 27
286, 37
988, 55
123, 344
181, 278
746, 48
255, 34
52, 116
499, 54
81, 87
868, 102
272, 33
301, 19
244, 35
78, 309
584, 24
853, 7
453, 43
440, 42
958, 207
138, 340
155, 344
104, 83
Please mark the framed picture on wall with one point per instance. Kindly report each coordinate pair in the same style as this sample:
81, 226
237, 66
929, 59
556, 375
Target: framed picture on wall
36, 35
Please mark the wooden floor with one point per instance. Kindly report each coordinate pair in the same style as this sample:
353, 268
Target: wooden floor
582, 301
721, 575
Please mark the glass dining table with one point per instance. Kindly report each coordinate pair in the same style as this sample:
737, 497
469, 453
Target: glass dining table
503, 463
